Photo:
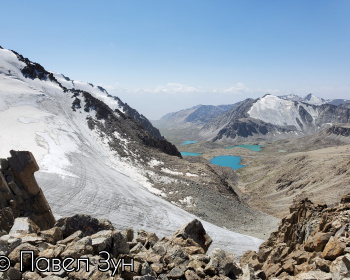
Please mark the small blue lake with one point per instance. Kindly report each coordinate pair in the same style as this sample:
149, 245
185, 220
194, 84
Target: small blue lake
188, 142
255, 148
227, 161
190, 154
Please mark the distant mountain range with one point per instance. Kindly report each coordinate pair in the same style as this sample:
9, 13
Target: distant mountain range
314, 100
269, 117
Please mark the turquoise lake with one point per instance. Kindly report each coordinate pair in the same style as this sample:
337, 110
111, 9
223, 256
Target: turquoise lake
188, 142
255, 148
190, 154
228, 161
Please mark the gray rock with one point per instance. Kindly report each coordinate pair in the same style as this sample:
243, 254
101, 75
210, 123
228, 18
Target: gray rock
24, 225
175, 273
225, 263
195, 231
120, 246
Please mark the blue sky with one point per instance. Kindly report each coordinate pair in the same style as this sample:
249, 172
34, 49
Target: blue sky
166, 55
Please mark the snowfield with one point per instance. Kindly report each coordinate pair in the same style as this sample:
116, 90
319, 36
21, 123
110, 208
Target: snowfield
78, 171
278, 111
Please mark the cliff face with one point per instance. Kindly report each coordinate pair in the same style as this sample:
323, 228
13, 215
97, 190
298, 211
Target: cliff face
20, 194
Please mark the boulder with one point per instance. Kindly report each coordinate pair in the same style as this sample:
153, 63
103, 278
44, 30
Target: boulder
102, 241
224, 263
85, 223
317, 242
196, 232
119, 244
340, 268
333, 249
176, 273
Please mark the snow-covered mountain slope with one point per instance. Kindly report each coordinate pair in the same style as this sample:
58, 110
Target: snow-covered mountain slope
92, 156
314, 100
272, 117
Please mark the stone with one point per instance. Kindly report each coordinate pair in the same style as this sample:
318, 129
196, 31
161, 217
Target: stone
313, 275
77, 249
28, 275
14, 256
157, 268
175, 273
175, 254
51, 235
84, 223
14, 273
225, 263
119, 244
147, 270
250, 257
340, 268
260, 274
128, 234
23, 166
322, 264
72, 238
24, 225
191, 275
317, 242
102, 241
195, 231
137, 249
333, 249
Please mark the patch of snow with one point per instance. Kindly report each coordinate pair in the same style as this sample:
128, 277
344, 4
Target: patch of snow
153, 162
191, 175
277, 111
166, 170
188, 201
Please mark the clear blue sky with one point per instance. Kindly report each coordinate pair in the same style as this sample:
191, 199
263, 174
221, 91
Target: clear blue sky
166, 55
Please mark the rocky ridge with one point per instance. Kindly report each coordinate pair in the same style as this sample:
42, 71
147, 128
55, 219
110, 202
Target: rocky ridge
312, 242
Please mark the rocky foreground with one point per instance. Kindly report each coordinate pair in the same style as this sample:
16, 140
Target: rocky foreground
311, 243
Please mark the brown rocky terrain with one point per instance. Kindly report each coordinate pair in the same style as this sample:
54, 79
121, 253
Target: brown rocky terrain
312, 242
289, 170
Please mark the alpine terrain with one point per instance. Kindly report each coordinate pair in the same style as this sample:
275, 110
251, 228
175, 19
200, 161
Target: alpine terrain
98, 156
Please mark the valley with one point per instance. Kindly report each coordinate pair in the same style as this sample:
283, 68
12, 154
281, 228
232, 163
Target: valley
285, 171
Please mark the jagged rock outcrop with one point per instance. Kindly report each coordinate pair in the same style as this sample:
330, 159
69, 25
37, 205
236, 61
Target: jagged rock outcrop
20, 193
312, 242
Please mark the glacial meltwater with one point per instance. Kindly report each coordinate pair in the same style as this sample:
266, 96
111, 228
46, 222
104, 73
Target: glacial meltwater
188, 142
255, 148
190, 154
228, 161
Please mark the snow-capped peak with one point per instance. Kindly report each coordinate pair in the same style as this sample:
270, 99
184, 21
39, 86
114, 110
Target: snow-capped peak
314, 100
281, 112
